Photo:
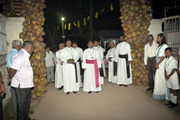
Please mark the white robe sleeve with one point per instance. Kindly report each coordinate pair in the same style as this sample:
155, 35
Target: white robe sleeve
84, 60
116, 53
63, 56
129, 52
98, 60
107, 55
58, 58
113, 59
145, 55
75, 56
81, 54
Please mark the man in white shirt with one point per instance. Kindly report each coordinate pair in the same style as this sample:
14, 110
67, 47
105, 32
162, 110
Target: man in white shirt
59, 68
149, 60
123, 62
21, 74
79, 62
49, 62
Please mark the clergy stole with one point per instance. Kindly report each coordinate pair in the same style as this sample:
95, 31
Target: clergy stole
80, 65
75, 71
114, 67
101, 71
96, 70
127, 66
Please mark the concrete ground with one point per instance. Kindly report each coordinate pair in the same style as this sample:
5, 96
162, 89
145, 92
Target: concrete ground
112, 103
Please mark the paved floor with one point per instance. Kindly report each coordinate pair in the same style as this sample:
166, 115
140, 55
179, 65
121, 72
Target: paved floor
112, 103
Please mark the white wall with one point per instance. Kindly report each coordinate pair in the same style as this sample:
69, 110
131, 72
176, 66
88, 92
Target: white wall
13, 28
155, 27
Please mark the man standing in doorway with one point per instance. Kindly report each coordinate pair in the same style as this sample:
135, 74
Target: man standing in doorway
123, 62
149, 60
49, 62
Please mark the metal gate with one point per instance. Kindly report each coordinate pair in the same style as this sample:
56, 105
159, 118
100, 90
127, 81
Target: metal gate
172, 32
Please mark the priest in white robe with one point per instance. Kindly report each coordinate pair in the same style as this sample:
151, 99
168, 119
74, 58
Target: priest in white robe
79, 62
59, 68
112, 68
101, 56
69, 56
123, 60
91, 66
103, 65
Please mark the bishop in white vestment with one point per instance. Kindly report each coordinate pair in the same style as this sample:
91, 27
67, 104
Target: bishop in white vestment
123, 59
69, 56
91, 65
59, 68
112, 69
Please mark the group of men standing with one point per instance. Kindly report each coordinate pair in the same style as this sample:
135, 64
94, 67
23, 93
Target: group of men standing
73, 65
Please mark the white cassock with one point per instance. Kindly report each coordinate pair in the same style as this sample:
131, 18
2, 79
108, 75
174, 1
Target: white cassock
122, 56
59, 71
80, 53
111, 55
89, 73
104, 69
69, 72
101, 56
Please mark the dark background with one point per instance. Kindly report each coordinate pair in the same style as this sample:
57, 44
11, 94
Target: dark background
74, 10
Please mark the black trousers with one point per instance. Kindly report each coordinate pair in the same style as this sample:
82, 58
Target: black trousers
23, 96
1, 109
151, 71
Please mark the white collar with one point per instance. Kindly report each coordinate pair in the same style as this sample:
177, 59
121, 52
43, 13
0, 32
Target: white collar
26, 53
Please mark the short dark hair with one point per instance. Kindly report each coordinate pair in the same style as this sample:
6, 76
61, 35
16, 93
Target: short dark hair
90, 41
168, 48
26, 43
68, 40
161, 35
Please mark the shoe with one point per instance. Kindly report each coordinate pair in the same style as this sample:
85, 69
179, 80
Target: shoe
67, 93
31, 112
125, 85
97, 92
120, 85
75, 92
173, 105
149, 89
89, 92
53, 82
60, 88
152, 91
48, 82
169, 103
